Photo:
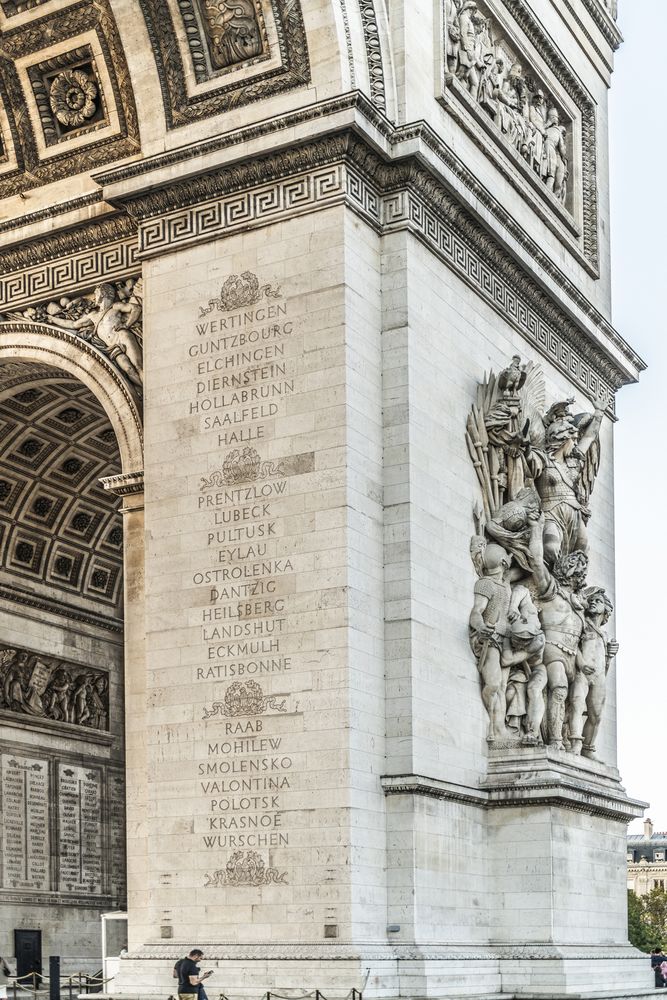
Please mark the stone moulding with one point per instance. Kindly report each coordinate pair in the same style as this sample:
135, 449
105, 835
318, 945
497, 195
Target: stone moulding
124, 485
374, 58
557, 789
65, 275
65, 729
378, 952
60, 608
388, 194
492, 143
62, 349
181, 107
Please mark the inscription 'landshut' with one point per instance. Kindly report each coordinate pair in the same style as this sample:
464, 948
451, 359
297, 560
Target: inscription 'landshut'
242, 376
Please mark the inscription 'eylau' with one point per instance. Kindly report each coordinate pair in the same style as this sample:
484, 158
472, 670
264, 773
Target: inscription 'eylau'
242, 376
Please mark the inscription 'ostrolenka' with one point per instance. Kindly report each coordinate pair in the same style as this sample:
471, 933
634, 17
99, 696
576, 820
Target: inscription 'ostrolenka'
243, 377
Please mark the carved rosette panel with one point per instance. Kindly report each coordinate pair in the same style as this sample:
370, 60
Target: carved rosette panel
253, 48
81, 98
48, 688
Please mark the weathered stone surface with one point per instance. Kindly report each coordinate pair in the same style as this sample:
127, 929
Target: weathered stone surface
271, 253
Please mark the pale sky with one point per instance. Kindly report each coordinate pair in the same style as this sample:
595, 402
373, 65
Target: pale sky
639, 232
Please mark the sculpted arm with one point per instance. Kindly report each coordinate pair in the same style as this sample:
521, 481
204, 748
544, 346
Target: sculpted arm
477, 623
541, 574
73, 324
591, 432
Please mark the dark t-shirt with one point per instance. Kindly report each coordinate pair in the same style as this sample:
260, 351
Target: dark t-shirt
187, 968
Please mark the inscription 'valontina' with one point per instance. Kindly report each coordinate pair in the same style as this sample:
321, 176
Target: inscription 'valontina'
243, 376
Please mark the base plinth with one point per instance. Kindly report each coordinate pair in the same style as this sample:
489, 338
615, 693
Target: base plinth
384, 973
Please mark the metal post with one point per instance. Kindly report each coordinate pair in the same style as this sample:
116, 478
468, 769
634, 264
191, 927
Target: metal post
54, 977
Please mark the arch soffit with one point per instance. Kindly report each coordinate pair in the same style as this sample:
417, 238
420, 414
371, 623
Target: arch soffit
41, 344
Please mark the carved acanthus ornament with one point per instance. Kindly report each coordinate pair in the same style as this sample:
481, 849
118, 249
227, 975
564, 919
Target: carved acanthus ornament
536, 628
109, 318
480, 58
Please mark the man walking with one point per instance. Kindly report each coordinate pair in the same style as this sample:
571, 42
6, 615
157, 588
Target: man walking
189, 979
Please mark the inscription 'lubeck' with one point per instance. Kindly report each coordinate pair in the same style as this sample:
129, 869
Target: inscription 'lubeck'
242, 376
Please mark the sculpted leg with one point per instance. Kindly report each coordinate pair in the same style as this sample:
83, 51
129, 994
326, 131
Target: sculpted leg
576, 710
595, 703
126, 366
557, 680
493, 693
535, 712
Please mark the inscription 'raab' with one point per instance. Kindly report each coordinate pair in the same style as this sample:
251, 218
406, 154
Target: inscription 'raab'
243, 374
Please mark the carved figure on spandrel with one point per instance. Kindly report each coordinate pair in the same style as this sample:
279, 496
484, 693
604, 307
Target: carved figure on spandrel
589, 689
108, 325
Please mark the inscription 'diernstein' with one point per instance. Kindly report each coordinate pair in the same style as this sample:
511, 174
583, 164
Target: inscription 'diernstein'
243, 375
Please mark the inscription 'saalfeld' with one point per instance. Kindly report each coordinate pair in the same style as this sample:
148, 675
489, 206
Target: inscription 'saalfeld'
242, 376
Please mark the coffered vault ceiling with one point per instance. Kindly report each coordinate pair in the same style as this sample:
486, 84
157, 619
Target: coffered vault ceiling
61, 535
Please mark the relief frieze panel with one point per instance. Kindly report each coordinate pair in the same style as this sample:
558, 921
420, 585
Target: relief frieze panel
47, 687
234, 32
483, 62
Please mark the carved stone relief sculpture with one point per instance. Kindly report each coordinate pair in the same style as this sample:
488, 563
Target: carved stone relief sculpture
479, 57
109, 318
45, 687
234, 30
536, 628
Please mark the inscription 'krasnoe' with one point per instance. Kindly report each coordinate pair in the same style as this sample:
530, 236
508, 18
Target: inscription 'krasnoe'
243, 375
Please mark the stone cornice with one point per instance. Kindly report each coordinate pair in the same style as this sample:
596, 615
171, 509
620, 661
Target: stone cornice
195, 206
60, 608
531, 778
604, 14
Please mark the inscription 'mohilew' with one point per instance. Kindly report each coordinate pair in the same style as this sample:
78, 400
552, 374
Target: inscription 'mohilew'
243, 374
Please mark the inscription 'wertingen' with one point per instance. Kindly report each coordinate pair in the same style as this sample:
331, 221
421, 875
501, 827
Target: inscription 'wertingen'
242, 376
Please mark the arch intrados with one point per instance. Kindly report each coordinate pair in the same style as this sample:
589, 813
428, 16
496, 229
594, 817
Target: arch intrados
37, 342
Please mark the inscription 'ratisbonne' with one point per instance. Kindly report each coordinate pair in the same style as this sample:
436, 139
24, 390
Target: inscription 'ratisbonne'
242, 377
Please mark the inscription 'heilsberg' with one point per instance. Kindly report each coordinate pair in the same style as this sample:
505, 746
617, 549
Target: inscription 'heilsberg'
242, 377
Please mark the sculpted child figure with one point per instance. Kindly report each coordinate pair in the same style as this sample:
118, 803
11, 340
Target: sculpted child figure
489, 627
588, 690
